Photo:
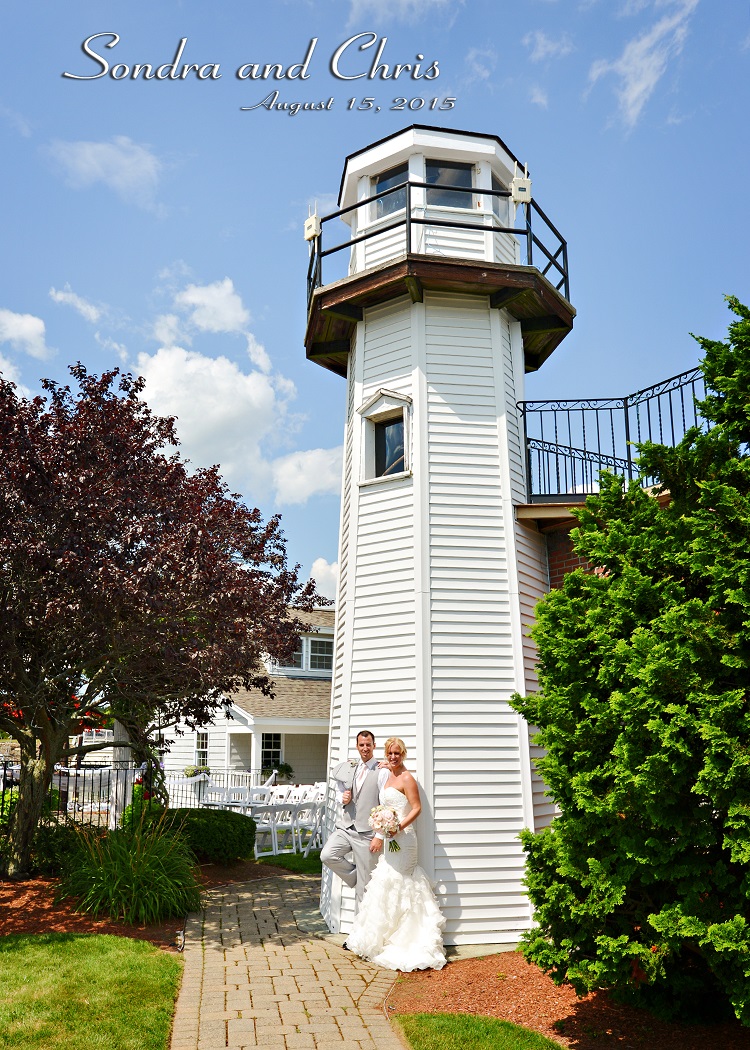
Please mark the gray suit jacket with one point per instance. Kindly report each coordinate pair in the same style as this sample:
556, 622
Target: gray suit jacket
357, 813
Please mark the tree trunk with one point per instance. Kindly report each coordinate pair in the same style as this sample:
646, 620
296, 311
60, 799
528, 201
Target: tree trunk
33, 790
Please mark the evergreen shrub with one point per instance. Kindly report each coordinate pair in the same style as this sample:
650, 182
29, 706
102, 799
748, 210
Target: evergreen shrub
642, 883
214, 835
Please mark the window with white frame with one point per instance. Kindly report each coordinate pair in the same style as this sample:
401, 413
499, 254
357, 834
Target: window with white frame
314, 656
201, 748
386, 422
270, 750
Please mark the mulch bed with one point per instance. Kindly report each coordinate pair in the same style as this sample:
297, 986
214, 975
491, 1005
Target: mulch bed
507, 987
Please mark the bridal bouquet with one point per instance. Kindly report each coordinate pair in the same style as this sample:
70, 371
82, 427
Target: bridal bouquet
384, 819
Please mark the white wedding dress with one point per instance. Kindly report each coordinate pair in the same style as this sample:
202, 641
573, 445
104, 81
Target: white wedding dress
399, 924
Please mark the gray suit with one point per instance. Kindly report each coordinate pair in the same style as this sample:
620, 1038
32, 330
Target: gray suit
347, 851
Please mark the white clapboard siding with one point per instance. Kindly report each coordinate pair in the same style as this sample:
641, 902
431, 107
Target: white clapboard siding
507, 248
473, 662
381, 248
428, 643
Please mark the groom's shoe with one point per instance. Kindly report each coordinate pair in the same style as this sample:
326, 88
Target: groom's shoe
346, 947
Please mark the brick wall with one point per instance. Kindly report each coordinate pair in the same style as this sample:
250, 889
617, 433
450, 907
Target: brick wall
562, 558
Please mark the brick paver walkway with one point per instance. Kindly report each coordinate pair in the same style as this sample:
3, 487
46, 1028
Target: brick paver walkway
259, 972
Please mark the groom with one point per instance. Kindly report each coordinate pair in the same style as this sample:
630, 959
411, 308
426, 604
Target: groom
352, 850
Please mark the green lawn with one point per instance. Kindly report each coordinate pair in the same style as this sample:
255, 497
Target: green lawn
296, 862
458, 1031
63, 991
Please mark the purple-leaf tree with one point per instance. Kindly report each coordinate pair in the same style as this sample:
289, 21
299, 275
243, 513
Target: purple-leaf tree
130, 587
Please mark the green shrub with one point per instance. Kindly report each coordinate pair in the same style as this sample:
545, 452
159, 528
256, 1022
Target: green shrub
214, 835
132, 815
141, 876
54, 847
8, 799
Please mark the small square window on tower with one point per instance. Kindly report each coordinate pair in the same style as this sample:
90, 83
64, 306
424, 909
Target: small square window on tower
386, 438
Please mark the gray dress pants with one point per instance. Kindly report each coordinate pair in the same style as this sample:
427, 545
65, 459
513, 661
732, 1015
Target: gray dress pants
347, 854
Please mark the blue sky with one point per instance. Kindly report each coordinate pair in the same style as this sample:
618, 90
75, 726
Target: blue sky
155, 225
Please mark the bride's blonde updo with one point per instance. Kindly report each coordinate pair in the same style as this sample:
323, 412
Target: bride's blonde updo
398, 742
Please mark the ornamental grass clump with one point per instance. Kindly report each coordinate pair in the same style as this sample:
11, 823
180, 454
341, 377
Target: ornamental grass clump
141, 876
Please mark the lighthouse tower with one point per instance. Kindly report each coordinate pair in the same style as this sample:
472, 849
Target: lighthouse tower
448, 285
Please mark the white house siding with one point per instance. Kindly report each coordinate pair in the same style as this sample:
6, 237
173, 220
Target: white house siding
306, 754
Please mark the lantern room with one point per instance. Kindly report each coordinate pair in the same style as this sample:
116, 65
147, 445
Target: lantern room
436, 210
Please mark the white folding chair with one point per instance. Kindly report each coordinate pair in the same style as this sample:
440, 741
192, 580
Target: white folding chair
215, 797
279, 794
237, 798
265, 831
308, 826
284, 827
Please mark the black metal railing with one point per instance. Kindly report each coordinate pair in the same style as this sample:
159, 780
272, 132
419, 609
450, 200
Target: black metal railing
546, 249
568, 443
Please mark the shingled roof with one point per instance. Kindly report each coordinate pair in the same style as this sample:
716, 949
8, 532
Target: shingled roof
295, 698
316, 617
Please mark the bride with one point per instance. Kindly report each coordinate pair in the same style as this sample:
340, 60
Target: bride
399, 925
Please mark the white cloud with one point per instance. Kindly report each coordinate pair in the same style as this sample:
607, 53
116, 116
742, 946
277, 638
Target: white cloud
224, 414
544, 47
9, 370
167, 330
538, 96
24, 332
326, 576
214, 307
126, 167
16, 121
644, 59
399, 10
87, 310
300, 475
106, 343
480, 63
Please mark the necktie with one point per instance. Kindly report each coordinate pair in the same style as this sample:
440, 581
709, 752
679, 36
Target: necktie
362, 772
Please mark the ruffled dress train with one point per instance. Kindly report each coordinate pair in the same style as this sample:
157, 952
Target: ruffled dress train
399, 925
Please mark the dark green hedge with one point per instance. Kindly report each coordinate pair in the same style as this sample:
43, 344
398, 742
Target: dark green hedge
214, 835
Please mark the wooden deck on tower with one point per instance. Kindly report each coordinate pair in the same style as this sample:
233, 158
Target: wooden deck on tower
546, 316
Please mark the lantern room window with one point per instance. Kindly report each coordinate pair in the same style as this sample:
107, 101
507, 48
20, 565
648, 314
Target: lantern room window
389, 180
449, 173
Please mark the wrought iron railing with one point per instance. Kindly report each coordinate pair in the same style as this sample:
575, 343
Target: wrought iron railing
568, 443
544, 248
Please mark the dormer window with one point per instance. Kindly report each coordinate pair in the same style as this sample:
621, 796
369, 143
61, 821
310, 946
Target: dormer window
314, 653
449, 173
387, 180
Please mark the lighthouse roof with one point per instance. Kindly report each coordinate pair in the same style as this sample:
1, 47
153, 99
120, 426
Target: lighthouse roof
439, 143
